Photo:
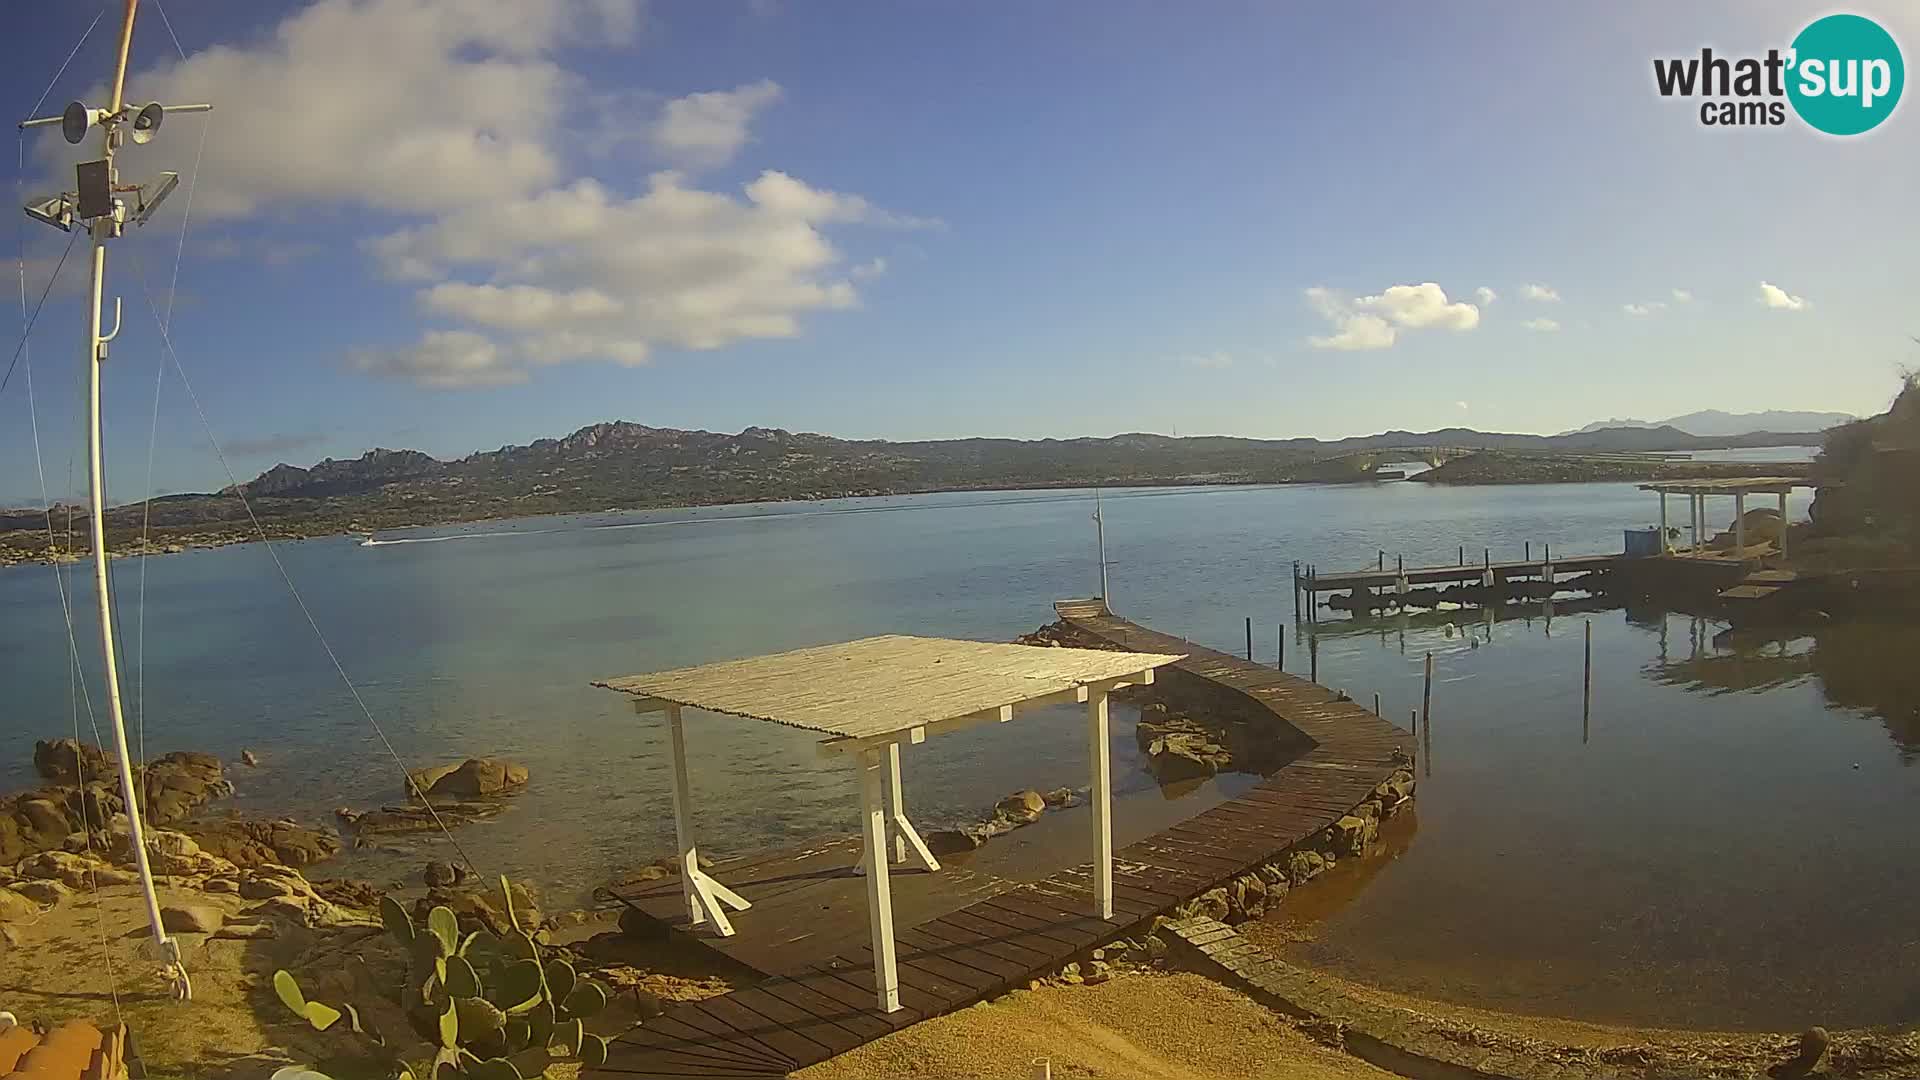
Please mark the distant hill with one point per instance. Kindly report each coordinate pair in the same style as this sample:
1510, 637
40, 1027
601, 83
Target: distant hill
1713, 423
625, 465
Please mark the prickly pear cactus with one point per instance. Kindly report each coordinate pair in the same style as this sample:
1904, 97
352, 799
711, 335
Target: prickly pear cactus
493, 1007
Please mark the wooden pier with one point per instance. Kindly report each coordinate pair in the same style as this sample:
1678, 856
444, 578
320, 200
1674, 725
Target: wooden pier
981, 933
1400, 580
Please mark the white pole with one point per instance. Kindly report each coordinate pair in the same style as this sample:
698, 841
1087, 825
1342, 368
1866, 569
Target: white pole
873, 827
683, 819
1783, 525
102, 229
1740, 524
896, 798
1665, 548
1100, 798
1100, 533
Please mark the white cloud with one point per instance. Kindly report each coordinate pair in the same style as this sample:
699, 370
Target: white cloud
1776, 297
710, 128
1486, 295
455, 124
1647, 308
442, 359
584, 273
1682, 296
1540, 292
1461, 405
407, 105
1544, 326
1374, 322
1218, 361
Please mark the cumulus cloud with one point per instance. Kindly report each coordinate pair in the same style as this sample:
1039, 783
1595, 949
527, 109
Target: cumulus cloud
405, 105
1776, 297
1540, 292
1647, 308
1544, 326
1682, 296
1375, 322
441, 358
455, 123
1486, 295
710, 128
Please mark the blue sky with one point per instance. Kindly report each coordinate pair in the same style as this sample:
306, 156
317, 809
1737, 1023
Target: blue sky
451, 225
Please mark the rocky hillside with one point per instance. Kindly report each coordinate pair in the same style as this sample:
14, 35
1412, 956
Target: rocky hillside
628, 465
1869, 472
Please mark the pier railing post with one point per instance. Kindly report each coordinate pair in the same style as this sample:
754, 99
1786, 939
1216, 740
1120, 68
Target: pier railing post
1426, 695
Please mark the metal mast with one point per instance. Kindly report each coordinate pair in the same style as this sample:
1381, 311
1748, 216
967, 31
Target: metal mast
103, 206
1100, 533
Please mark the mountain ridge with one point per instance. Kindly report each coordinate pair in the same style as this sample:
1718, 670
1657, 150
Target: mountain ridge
1715, 423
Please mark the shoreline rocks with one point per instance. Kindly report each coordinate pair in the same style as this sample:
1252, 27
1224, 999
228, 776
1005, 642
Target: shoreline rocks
474, 778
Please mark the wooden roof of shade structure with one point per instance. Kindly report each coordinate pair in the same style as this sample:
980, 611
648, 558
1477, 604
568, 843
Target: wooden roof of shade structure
870, 696
1729, 485
885, 687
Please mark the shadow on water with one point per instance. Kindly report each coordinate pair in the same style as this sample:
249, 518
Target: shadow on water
1717, 839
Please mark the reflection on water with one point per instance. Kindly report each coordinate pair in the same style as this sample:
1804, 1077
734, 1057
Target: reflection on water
1725, 843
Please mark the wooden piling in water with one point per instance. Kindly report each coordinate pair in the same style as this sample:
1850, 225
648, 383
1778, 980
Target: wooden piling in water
1376, 704
1313, 657
1426, 695
1249, 639
1280, 654
1528, 557
1586, 687
1463, 554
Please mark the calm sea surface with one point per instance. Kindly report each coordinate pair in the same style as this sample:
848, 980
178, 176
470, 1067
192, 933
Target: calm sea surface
1728, 842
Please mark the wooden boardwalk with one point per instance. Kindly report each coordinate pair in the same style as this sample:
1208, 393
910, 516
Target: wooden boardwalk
1456, 572
982, 943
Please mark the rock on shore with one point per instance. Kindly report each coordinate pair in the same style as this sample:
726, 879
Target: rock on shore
474, 778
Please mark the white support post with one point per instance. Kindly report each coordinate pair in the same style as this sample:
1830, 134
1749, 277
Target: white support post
1698, 519
1665, 548
908, 848
1740, 524
704, 895
1100, 800
1783, 525
873, 827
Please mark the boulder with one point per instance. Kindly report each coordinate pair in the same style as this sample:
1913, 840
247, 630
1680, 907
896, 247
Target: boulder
191, 918
1022, 806
474, 778
1246, 898
408, 819
477, 910
1186, 756
246, 931
263, 887
44, 893
16, 906
252, 843
1304, 866
67, 869
351, 893
248, 759
954, 841
68, 761
1061, 797
1351, 834
1213, 904
181, 782
439, 875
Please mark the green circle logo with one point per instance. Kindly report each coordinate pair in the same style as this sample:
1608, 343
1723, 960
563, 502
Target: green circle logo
1845, 74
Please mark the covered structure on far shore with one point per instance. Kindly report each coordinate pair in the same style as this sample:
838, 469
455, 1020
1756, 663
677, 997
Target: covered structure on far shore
870, 697
1739, 487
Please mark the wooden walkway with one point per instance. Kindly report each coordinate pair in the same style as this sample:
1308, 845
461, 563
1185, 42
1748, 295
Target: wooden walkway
1467, 572
821, 1006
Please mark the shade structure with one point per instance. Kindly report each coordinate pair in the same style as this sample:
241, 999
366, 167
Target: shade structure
869, 697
